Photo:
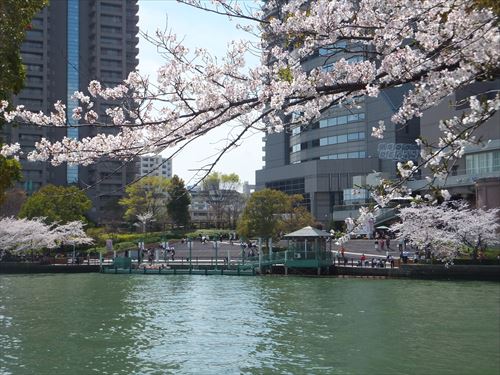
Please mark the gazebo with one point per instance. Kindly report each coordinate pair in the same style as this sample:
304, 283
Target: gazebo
307, 248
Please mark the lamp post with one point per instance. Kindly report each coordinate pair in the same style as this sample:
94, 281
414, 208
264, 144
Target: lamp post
190, 245
215, 245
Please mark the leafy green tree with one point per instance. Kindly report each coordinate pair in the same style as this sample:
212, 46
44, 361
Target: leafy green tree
179, 201
296, 217
10, 172
14, 199
269, 212
149, 194
60, 204
15, 18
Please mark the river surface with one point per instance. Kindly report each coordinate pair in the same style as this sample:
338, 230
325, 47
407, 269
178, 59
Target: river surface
148, 324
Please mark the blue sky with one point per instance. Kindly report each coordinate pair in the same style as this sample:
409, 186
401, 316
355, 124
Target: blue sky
212, 32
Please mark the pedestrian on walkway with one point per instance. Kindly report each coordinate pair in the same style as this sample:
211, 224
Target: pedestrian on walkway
363, 258
400, 244
376, 245
382, 242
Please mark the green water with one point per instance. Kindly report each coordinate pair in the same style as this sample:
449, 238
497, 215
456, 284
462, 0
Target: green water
140, 324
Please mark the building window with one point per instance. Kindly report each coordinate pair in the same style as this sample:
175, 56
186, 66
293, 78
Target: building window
111, 30
341, 120
344, 155
106, 7
333, 48
111, 19
342, 138
34, 68
30, 34
108, 40
32, 44
481, 163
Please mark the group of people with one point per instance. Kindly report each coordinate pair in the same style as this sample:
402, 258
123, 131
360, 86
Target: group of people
383, 242
376, 262
218, 237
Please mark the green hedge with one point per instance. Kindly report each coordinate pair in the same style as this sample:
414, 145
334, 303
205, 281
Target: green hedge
100, 236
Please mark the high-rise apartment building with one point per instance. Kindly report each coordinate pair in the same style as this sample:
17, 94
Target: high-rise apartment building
154, 165
69, 44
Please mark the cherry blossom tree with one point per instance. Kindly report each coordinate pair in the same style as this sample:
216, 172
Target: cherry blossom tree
432, 47
446, 229
475, 228
28, 235
144, 218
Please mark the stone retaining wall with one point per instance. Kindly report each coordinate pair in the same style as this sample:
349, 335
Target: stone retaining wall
426, 271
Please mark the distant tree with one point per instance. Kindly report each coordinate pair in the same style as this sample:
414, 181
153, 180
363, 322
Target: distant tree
179, 201
149, 194
60, 204
269, 212
224, 199
14, 199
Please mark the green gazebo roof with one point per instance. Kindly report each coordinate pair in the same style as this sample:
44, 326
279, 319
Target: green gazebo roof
308, 232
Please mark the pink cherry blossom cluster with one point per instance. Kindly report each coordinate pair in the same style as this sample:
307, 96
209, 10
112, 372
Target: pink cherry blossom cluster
25, 235
434, 47
446, 228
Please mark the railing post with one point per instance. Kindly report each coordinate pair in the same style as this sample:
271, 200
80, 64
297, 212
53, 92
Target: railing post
260, 255
216, 255
190, 243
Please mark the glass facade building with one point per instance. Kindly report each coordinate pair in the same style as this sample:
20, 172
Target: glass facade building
73, 81
329, 154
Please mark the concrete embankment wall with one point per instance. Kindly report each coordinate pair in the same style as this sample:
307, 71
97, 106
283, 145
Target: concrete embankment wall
414, 271
14, 267
426, 271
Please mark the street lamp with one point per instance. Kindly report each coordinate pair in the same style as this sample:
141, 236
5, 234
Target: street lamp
215, 245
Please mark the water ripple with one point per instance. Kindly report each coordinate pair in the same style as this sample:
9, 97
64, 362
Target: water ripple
144, 324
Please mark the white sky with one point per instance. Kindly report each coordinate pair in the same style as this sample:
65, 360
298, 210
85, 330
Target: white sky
213, 32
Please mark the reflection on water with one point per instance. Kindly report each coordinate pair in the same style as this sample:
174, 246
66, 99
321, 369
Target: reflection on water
134, 324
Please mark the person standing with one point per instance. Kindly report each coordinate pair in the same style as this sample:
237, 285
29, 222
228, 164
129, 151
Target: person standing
400, 244
363, 258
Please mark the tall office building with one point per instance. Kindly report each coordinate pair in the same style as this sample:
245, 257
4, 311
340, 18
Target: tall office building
326, 160
476, 176
69, 44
